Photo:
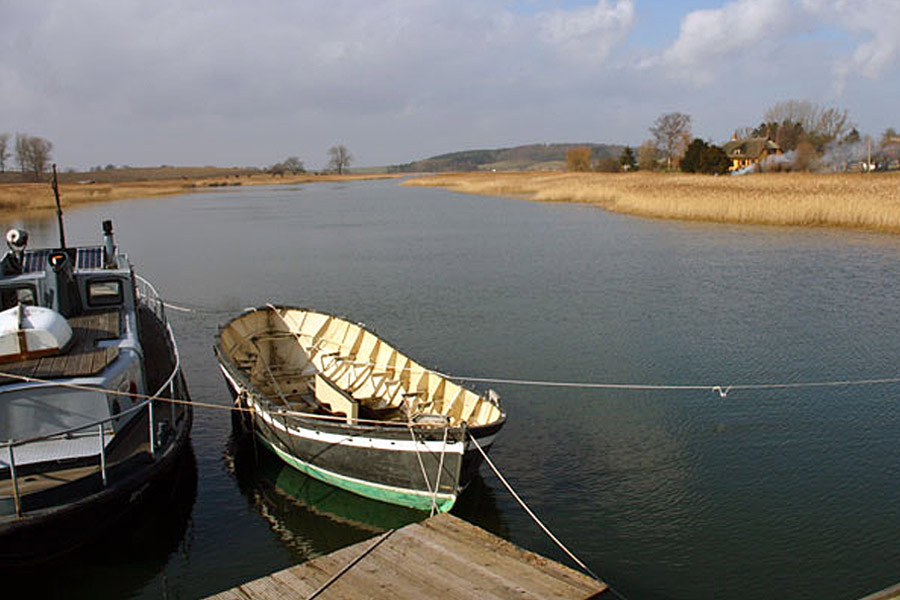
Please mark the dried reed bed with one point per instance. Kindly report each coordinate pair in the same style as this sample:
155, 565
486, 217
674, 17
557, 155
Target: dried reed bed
20, 199
23, 198
854, 200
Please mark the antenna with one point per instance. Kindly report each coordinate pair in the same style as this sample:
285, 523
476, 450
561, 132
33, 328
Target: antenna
62, 231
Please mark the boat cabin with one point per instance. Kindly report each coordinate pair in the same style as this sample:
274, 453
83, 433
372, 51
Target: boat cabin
69, 322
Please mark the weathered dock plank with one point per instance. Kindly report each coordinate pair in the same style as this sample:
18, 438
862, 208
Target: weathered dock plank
443, 556
891, 593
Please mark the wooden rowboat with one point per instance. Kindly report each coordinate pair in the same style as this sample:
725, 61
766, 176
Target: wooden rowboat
340, 404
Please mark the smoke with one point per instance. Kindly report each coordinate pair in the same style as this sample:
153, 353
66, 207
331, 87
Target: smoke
837, 158
777, 162
840, 157
745, 171
773, 162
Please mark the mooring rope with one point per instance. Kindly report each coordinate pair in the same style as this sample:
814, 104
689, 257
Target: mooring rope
535, 518
422, 466
722, 390
531, 514
178, 308
351, 564
440, 470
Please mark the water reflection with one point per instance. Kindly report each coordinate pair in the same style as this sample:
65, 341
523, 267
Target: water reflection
125, 561
313, 518
779, 493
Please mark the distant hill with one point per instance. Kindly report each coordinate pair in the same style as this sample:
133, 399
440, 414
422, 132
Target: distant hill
533, 157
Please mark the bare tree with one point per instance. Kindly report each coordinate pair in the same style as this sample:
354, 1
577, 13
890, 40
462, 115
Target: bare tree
4, 151
801, 119
340, 158
833, 124
647, 156
32, 154
40, 155
294, 165
579, 159
291, 163
803, 112
672, 132
22, 152
890, 146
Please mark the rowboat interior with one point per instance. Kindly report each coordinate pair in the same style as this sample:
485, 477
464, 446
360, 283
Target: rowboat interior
310, 362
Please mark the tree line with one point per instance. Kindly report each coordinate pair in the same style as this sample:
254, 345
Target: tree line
812, 137
339, 159
31, 153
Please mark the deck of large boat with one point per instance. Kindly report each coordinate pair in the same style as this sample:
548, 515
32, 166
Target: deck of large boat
84, 356
125, 451
441, 557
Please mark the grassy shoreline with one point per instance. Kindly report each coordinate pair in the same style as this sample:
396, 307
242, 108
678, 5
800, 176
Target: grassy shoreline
848, 200
18, 200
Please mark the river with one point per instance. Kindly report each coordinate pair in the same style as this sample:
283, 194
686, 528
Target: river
764, 492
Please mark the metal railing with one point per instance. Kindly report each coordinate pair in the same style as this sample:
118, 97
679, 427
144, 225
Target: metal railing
171, 388
149, 297
11, 445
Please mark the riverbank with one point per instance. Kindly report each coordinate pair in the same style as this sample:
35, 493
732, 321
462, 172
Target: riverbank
26, 199
854, 200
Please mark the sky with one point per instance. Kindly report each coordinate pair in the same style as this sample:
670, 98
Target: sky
240, 83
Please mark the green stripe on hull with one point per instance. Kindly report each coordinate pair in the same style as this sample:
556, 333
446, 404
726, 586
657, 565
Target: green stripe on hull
382, 493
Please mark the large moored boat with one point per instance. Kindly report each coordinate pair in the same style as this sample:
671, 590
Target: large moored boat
88, 372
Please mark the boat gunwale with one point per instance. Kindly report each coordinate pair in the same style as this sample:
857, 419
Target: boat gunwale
359, 426
237, 372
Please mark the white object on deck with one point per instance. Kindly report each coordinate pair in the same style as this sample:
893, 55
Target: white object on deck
27, 330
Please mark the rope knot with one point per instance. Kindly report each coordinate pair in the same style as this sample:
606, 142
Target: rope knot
723, 391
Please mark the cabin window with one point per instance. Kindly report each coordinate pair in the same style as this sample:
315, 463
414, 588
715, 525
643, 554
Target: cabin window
13, 296
105, 292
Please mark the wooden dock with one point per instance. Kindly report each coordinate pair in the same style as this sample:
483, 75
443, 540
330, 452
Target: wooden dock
891, 593
441, 557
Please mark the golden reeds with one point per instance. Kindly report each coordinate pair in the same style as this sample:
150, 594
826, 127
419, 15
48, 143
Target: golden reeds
870, 201
18, 199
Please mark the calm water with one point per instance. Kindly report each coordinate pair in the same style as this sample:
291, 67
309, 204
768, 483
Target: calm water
666, 494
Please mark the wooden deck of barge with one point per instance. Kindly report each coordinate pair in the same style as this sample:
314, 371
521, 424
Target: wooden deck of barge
441, 557
83, 357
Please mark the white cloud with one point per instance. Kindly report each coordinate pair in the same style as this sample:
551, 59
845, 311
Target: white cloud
589, 33
876, 21
234, 82
197, 57
285, 65
711, 40
740, 34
